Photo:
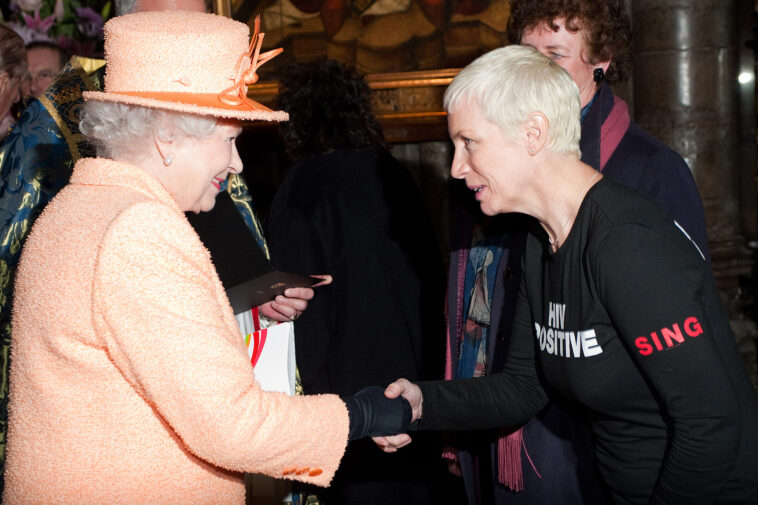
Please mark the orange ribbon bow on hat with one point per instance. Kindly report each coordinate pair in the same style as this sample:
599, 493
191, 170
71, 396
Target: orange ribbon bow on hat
237, 92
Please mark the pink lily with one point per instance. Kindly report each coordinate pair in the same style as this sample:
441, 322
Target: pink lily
38, 24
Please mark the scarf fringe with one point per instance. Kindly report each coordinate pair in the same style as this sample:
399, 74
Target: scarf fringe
509, 470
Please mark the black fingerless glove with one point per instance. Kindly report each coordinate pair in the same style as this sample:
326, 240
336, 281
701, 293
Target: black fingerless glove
374, 415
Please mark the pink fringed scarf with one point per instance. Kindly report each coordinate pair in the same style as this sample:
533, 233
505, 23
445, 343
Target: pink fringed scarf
509, 471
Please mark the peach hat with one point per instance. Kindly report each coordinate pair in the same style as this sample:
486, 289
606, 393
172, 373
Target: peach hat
184, 61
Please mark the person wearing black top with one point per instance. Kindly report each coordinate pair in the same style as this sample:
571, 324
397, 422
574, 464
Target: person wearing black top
618, 311
347, 208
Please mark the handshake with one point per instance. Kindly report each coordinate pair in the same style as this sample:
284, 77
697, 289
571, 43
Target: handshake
372, 414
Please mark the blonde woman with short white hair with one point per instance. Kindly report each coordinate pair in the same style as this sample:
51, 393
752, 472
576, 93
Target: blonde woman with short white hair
618, 314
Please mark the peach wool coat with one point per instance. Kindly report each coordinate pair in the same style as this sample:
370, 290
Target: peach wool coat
130, 382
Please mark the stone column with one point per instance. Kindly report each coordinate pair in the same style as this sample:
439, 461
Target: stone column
685, 68
685, 94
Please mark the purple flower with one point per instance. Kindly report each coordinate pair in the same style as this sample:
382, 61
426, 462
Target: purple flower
89, 22
80, 48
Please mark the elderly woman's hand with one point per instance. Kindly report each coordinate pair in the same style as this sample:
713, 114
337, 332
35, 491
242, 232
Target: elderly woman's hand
372, 414
292, 303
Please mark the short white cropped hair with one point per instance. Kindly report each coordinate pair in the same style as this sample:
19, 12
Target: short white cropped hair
117, 129
511, 82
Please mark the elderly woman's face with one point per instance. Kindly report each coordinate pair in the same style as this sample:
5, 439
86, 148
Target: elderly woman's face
493, 166
568, 50
200, 167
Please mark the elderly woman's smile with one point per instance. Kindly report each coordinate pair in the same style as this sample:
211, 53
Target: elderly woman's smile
200, 166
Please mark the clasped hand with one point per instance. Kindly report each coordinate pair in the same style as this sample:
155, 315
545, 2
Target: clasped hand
412, 393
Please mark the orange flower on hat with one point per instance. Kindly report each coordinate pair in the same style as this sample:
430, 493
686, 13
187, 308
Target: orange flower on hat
247, 67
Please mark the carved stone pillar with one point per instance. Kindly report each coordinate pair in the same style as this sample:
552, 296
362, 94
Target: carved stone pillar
685, 81
685, 69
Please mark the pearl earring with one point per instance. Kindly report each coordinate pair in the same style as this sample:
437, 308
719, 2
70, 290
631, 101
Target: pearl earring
168, 160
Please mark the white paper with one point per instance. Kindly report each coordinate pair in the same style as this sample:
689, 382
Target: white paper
275, 368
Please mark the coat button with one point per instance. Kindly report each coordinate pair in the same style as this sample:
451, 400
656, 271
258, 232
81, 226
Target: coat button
315, 472
508, 274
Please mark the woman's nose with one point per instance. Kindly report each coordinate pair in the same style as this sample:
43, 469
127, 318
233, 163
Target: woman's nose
459, 167
235, 165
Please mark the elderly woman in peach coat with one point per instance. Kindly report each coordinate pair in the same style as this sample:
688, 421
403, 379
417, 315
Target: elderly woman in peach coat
130, 382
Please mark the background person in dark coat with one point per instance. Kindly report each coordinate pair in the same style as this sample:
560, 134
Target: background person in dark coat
348, 209
591, 40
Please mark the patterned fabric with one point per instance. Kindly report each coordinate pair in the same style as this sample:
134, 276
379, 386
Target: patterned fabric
63, 101
36, 161
6, 123
237, 189
481, 272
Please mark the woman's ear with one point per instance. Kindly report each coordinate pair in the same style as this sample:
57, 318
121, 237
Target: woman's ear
601, 67
164, 138
604, 65
536, 128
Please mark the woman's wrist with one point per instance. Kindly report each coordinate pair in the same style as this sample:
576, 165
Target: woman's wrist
372, 414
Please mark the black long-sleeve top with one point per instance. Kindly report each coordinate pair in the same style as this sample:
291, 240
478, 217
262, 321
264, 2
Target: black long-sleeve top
625, 320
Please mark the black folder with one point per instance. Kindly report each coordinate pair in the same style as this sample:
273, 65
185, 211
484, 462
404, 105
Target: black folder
244, 270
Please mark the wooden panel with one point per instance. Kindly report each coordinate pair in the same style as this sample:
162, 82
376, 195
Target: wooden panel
407, 104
